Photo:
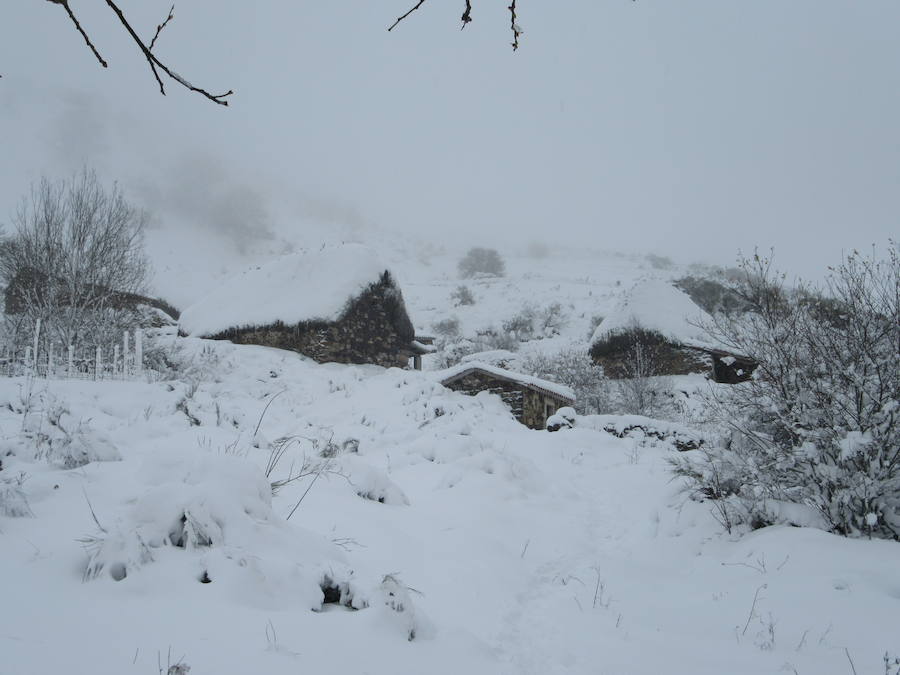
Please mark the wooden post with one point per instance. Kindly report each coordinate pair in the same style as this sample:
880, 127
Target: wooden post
27, 357
50, 359
70, 367
138, 351
116, 360
125, 354
97, 366
37, 334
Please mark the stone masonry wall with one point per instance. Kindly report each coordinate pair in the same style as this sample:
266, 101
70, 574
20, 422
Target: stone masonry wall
369, 331
511, 393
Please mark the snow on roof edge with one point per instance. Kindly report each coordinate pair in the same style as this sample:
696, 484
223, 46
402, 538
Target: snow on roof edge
529, 380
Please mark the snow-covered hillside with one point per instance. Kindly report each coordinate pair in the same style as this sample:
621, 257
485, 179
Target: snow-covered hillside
447, 537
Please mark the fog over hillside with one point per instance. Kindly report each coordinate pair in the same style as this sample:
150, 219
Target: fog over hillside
692, 130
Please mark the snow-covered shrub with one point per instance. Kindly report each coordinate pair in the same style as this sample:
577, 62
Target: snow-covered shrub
397, 602
80, 446
492, 339
371, 483
462, 296
481, 261
13, 502
818, 424
564, 418
574, 368
215, 501
48, 432
646, 430
551, 319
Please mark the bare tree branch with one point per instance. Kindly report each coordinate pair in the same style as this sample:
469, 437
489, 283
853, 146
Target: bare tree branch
156, 63
400, 18
160, 27
65, 5
467, 15
516, 29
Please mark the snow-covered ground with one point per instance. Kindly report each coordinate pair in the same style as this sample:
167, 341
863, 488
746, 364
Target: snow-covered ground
453, 538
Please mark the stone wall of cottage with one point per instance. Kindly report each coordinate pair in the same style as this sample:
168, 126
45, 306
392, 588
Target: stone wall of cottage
535, 408
527, 406
366, 333
512, 394
666, 358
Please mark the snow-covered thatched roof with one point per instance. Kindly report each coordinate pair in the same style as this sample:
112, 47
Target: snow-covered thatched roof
308, 286
656, 305
461, 370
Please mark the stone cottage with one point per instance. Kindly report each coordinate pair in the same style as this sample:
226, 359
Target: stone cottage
664, 324
531, 399
339, 304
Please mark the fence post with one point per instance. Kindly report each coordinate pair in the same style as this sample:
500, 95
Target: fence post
27, 357
116, 360
70, 369
125, 354
97, 367
49, 359
37, 334
138, 351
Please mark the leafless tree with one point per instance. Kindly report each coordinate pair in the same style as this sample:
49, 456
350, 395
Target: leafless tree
75, 256
640, 387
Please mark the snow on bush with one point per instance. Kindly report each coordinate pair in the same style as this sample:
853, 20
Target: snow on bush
818, 424
645, 430
48, 431
13, 502
397, 609
370, 482
574, 368
215, 514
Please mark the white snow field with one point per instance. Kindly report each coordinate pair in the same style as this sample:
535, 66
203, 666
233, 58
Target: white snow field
449, 538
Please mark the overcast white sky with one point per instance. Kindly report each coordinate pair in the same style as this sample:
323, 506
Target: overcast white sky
692, 128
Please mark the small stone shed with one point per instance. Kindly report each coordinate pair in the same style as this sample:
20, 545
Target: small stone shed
338, 304
531, 399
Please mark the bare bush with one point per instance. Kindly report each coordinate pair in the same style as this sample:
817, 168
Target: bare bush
641, 390
659, 262
481, 262
521, 326
818, 425
462, 296
713, 295
447, 328
75, 261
